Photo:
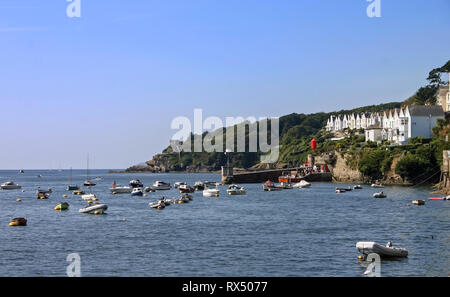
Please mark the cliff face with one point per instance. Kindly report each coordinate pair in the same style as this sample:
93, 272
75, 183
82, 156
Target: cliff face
344, 173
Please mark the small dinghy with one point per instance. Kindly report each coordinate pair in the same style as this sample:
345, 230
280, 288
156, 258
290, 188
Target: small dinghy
94, 209
357, 187
18, 222
42, 196
165, 201
439, 198
379, 195
418, 202
302, 184
62, 206
236, 190
157, 205
89, 197
187, 196
386, 251
377, 186
78, 192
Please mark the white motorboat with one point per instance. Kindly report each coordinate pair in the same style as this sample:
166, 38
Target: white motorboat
379, 195
178, 184
135, 183
159, 185
302, 184
94, 209
137, 192
368, 247
9, 185
211, 190
357, 187
236, 190
120, 189
377, 186
89, 197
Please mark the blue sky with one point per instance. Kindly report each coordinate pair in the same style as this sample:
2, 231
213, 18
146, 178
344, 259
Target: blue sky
110, 83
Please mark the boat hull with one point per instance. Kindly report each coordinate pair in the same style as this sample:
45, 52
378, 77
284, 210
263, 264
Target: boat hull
94, 209
384, 251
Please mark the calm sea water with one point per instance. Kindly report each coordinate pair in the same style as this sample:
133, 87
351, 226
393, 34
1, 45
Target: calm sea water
299, 232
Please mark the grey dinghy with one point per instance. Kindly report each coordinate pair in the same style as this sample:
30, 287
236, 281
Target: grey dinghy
94, 209
367, 247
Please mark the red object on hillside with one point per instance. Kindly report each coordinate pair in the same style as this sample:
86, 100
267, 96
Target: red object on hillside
313, 143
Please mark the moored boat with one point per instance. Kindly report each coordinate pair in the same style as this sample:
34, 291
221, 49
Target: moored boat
42, 195
89, 197
9, 185
418, 202
178, 184
379, 195
270, 186
89, 183
18, 222
187, 196
157, 205
135, 183
185, 189
377, 186
137, 192
199, 186
366, 247
62, 206
357, 187
71, 187
236, 190
159, 185
94, 209
78, 192
119, 189
211, 190
302, 184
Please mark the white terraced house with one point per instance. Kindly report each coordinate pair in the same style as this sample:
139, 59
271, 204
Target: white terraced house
396, 126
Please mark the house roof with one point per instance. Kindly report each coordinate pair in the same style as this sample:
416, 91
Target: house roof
425, 111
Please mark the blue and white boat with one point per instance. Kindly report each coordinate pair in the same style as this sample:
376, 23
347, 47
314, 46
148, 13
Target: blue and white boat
137, 192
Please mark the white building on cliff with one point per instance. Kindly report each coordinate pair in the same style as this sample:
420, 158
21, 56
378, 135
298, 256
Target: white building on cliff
396, 126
